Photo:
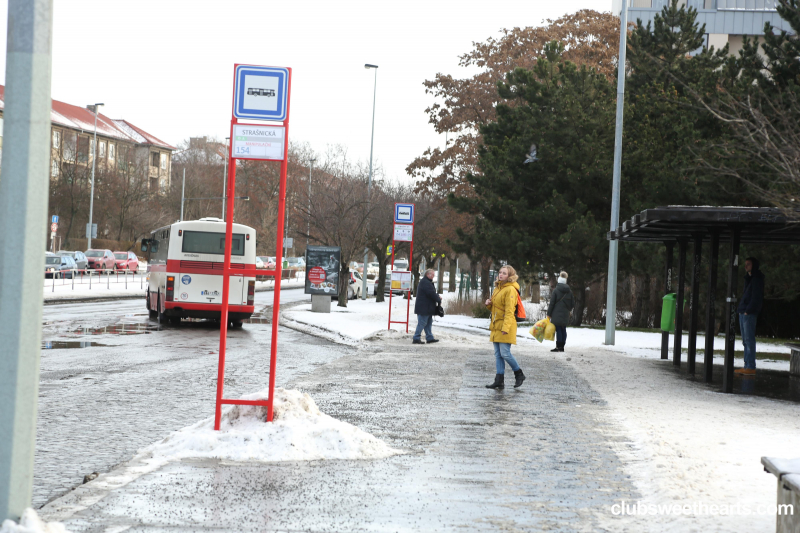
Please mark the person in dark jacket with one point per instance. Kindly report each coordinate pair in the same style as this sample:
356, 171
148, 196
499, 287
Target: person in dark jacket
425, 307
749, 307
561, 303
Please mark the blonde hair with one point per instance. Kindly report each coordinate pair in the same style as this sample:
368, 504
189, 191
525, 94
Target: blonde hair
563, 275
512, 273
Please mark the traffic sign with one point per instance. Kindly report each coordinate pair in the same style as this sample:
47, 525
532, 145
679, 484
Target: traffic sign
54, 219
404, 213
54, 227
260, 92
94, 231
258, 142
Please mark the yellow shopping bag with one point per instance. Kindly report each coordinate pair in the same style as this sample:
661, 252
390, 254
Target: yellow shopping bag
550, 332
538, 329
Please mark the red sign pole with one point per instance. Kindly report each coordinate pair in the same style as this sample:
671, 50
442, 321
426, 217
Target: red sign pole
226, 270
279, 256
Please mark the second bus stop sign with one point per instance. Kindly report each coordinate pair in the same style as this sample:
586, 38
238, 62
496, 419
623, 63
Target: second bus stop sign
260, 92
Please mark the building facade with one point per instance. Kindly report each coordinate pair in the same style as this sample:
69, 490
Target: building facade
726, 21
121, 146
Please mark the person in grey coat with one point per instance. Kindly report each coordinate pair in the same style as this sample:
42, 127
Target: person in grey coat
561, 303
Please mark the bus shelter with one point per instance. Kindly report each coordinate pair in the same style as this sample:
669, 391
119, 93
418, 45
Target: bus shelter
685, 225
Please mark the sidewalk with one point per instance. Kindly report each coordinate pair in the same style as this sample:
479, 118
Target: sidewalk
591, 428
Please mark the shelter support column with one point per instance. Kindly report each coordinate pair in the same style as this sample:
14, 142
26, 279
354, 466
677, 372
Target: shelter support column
711, 297
730, 311
667, 290
695, 301
681, 294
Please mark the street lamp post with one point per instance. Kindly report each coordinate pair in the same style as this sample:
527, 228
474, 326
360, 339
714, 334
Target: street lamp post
308, 223
613, 245
225, 178
369, 183
94, 159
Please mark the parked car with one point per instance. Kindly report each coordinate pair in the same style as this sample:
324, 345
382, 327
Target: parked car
126, 261
354, 288
298, 263
269, 262
78, 256
373, 269
58, 266
100, 259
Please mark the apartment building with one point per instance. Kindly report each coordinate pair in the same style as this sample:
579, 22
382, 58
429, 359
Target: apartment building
726, 21
120, 144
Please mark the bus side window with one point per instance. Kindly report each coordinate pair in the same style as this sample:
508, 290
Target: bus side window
153, 247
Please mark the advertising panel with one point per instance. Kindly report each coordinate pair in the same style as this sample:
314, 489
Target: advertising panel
322, 269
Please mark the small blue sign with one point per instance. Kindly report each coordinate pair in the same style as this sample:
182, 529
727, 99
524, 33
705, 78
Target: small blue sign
186, 279
54, 220
261, 93
404, 213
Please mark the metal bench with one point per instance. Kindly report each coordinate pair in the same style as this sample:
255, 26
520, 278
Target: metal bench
788, 473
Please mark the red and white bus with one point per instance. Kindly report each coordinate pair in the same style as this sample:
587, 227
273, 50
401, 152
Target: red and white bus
184, 265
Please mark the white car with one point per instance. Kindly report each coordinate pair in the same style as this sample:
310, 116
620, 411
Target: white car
354, 289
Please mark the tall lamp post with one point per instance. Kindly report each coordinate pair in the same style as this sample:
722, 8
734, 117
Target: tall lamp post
92, 108
369, 183
613, 245
308, 222
225, 178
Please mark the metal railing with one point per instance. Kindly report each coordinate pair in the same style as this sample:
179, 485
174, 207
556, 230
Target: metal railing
720, 5
747, 5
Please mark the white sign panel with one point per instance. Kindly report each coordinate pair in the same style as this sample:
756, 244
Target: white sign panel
401, 280
404, 232
258, 142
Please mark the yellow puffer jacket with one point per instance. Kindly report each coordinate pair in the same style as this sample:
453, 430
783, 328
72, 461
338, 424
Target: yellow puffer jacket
503, 306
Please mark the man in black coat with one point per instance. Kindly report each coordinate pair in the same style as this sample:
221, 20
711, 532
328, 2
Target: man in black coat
749, 307
425, 307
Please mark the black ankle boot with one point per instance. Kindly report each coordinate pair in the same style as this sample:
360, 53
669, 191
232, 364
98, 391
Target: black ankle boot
557, 348
498, 382
519, 377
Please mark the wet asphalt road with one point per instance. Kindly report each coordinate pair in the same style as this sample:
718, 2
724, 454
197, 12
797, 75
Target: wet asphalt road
113, 381
533, 459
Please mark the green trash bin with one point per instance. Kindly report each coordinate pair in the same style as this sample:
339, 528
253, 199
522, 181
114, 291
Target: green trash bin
668, 312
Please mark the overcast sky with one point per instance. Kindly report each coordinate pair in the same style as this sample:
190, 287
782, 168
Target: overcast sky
167, 66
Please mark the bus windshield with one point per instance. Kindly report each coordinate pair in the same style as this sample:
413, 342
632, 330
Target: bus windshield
207, 242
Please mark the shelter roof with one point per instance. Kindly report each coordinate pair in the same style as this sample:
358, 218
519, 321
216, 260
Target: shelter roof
757, 225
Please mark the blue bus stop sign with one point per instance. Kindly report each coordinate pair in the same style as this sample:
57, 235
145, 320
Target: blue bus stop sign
260, 93
54, 219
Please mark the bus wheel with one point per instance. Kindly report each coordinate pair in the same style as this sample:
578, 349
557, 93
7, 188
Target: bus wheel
150, 311
162, 318
236, 324
175, 320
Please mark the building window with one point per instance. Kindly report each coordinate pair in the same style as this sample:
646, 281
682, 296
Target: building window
110, 151
54, 168
154, 184
102, 149
154, 160
164, 161
70, 146
56, 140
83, 149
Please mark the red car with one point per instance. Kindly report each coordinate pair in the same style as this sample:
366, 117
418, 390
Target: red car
100, 259
126, 261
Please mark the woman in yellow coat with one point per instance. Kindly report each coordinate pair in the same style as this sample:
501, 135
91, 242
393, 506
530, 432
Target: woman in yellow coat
503, 305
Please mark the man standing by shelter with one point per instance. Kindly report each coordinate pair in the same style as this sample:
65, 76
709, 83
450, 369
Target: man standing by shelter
749, 307
425, 307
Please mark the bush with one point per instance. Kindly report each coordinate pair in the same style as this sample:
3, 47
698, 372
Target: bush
480, 311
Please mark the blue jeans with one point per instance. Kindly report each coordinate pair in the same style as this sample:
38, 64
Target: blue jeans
747, 323
424, 322
561, 335
502, 355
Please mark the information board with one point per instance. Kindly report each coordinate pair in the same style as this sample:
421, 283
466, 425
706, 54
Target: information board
401, 280
258, 142
404, 232
322, 269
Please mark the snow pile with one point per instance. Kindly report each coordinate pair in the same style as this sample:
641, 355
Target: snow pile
299, 432
31, 523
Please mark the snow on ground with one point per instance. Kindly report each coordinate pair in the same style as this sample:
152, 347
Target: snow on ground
361, 320
114, 286
299, 432
31, 523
